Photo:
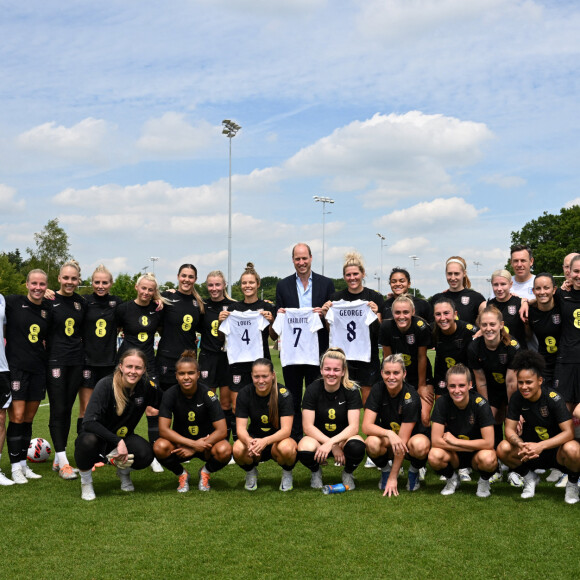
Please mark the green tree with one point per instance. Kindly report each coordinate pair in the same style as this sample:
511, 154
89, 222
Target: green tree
11, 280
51, 252
551, 237
124, 286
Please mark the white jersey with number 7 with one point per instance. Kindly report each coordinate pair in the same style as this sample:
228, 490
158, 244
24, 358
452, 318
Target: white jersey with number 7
298, 330
349, 328
243, 332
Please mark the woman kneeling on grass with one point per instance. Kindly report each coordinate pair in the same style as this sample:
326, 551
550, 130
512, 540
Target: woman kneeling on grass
392, 421
462, 433
547, 438
270, 411
330, 418
199, 426
114, 410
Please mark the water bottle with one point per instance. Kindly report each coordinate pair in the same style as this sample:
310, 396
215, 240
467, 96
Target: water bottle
337, 488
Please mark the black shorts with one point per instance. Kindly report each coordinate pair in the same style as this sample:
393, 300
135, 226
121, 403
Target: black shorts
92, 375
547, 460
27, 386
266, 454
5, 393
497, 397
214, 369
567, 382
465, 458
365, 374
166, 372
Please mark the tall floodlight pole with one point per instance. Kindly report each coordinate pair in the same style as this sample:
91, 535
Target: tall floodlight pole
230, 130
153, 260
324, 201
477, 265
382, 238
415, 260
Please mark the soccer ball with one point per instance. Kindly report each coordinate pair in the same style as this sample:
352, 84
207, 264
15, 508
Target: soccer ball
39, 450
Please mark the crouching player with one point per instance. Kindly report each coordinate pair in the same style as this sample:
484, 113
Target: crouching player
547, 437
462, 433
199, 427
392, 421
114, 410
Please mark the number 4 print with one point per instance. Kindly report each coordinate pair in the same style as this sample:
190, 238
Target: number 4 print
246, 337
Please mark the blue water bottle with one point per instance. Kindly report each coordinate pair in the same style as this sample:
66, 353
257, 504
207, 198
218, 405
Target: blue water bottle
337, 488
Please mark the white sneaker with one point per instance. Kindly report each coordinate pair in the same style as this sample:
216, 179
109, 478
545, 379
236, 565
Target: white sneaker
18, 476
348, 480
496, 477
287, 483
464, 474
125, 476
562, 482
156, 466
232, 461
316, 479
530, 481
555, 475
4, 480
29, 474
515, 479
452, 484
422, 473
572, 493
369, 463
87, 492
483, 488
204, 478
252, 480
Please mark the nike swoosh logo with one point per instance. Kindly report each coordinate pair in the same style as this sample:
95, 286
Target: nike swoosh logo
200, 405
55, 305
525, 409
342, 402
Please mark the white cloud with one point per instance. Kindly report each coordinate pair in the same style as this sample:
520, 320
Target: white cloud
409, 246
86, 141
440, 212
8, 201
505, 181
172, 136
572, 202
393, 156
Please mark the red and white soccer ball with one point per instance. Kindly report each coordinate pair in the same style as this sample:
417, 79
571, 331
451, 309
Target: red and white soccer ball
39, 450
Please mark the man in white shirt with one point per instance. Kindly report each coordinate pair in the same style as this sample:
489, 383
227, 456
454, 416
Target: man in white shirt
522, 262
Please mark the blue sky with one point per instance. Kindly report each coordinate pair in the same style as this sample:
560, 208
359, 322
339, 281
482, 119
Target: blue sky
443, 125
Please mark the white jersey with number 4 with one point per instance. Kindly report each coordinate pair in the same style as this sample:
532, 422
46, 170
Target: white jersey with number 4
298, 330
243, 332
349, 328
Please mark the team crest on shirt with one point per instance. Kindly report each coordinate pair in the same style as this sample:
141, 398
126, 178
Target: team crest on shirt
195, 303
163, 370
459, 343
87, 373
204, 374
78, 305
556, 318
139, 401
471, 419
237, 379
224, 308
465, 300
55, 373
544, 411
442, 384
112, 304
43, 313
512, 309
503, 358
410, 339
15, 386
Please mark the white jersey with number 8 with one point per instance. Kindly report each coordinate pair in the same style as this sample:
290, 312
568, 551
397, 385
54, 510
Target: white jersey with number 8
243, 332
298, 330
349, 328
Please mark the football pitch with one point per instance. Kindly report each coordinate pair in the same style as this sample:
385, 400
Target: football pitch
155, 532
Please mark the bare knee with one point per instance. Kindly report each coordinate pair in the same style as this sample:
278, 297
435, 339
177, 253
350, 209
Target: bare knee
373, 445
419, 446
308, 444
163, 448
222, 451
437, 458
